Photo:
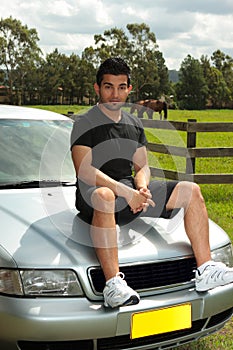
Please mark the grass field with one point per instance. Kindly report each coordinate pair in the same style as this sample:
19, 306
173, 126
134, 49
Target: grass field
219, 198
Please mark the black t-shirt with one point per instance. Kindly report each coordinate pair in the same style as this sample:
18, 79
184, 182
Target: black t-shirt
113, 144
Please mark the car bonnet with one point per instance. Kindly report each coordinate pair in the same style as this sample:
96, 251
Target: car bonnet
40, 228
37, 228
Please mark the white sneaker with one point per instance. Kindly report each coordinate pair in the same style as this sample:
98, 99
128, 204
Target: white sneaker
118, 293
213, 274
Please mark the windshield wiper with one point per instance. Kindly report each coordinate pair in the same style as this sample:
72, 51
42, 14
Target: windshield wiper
35, 184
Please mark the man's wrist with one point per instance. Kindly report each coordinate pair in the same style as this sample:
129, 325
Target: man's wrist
139, 187
123, 191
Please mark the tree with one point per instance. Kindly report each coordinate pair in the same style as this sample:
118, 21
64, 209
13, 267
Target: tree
19, 55
164, 82
218, 91
52, 75
224, 63
192, 90
86, 76
70, 79
218, 58
142, 60
139, 49
114, 42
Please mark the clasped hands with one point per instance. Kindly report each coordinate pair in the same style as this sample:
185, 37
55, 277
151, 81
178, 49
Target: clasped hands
140, 200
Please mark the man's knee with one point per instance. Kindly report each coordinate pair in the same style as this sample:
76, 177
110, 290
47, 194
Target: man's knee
190, 191
197, 195
103, 199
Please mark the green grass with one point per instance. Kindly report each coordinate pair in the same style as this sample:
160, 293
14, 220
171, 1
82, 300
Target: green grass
219, 198
63, 109
222, 340
209, 115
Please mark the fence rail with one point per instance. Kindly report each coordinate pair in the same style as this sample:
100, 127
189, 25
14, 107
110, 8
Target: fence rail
191, 152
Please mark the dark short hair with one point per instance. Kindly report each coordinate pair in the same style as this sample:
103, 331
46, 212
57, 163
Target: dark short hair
114, 66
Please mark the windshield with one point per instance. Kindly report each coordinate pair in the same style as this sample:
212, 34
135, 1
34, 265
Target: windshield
35, 150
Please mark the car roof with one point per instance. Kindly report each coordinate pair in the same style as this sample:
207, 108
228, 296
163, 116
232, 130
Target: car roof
18, 112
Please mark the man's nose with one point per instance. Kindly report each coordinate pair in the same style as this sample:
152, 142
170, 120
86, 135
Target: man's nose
115, 92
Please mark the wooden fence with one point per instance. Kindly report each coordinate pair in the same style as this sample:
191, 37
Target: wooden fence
191, 152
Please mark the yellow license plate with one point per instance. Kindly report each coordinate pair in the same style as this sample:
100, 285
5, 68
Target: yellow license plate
161, 321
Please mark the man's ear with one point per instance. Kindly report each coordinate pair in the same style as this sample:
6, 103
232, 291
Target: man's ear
97, 89
130, 88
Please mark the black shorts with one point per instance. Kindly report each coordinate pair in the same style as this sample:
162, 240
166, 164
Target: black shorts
160, 191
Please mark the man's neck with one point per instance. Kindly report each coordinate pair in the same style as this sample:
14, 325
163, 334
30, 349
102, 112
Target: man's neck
115, 115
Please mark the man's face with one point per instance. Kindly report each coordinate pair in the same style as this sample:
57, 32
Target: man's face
113, 91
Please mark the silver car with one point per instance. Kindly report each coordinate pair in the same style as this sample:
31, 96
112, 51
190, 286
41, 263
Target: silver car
50, 280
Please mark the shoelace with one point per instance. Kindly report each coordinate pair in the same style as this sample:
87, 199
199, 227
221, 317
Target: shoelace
121, 275
120, 280
214, 273
219, 264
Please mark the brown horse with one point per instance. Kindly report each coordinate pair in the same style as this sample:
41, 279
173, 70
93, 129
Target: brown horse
150, 106
139, 107
156, 106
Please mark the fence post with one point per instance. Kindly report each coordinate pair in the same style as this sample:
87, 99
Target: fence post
191, 143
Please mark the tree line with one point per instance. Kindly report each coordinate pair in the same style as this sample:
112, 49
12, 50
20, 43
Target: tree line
56, 78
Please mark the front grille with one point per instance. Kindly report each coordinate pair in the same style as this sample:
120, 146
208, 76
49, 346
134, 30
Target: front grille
219, 318
150, 275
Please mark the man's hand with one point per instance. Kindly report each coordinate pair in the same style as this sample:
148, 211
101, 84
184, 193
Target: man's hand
140, 200
146, 193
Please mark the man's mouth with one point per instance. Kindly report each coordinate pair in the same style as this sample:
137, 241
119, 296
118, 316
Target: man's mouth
114, 104
115, 101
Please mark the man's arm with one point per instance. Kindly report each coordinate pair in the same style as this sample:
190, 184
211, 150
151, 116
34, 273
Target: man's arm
142, 175
142, 170
82, 159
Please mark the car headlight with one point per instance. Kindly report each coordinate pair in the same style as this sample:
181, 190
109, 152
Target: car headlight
224, 255
10, 282
40, 283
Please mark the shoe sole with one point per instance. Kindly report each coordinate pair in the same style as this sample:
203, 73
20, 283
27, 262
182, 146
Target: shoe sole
206, 289
133, 300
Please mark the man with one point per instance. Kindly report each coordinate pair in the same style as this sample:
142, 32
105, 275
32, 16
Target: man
108, 145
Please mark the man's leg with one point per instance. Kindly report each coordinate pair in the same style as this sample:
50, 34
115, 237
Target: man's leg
209, 274
187, 195
104, 238
103, 231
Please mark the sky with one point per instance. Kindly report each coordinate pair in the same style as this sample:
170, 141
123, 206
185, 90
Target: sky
181, 27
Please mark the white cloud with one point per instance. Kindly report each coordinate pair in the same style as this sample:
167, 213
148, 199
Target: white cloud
55, 7
181, 27
141, 14
214, 28
102, 15
59, 7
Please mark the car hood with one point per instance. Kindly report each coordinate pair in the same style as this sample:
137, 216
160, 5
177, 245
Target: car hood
41, 228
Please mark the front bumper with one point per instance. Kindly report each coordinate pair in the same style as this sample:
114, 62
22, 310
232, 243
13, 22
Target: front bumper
75, 319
